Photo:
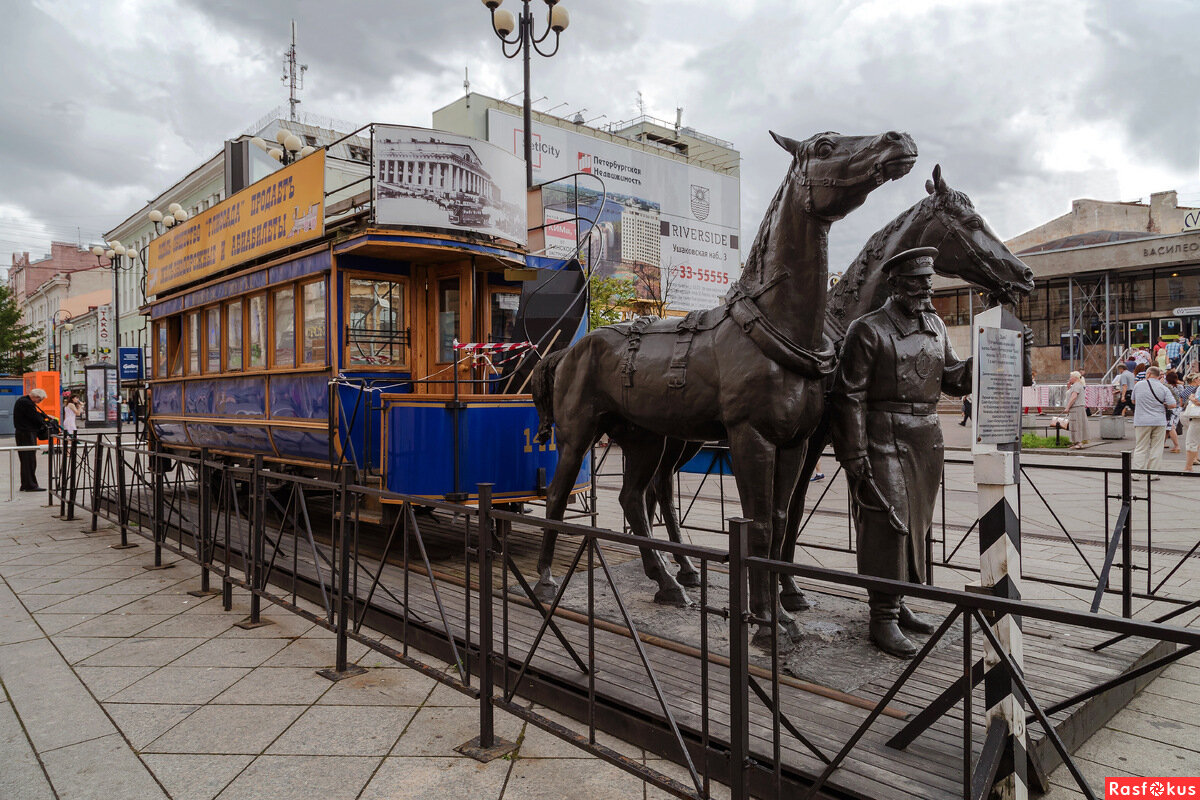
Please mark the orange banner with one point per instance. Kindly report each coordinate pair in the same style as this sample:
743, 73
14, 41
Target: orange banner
283, 209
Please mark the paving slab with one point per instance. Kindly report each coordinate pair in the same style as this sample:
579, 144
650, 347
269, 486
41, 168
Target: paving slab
430, 779
189, 776
100, 768
174, 684
436, 731
227, 730
546, 779
344, 731
326, 777
400, 687
22, 775
221, 652
143, 652
142, 723
276, 686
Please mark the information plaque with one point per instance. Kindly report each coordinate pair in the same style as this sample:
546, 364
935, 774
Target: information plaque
998, 391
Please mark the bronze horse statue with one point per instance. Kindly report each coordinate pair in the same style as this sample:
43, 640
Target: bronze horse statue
751, 370
967, 249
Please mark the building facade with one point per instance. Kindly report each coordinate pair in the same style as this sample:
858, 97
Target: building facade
1107, 277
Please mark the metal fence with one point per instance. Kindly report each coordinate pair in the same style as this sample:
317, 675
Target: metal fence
724, 710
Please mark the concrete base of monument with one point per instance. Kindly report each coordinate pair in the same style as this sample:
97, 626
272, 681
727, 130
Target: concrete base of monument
833, 648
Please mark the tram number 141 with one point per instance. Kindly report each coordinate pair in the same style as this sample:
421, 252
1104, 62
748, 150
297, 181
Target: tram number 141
552, 444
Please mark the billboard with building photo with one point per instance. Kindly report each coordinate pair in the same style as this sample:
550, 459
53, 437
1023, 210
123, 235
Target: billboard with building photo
671, 225
433, 179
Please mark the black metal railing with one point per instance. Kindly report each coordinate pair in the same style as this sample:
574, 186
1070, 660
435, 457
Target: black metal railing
447, 580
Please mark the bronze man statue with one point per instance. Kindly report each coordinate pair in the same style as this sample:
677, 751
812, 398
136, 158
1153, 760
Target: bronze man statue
895, 363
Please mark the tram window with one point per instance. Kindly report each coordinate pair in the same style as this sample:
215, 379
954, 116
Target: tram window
233, 336
160, 349
447, 319
285, 328
193, 343
376, 332
212, 331
256, 353
504, 315
313, 299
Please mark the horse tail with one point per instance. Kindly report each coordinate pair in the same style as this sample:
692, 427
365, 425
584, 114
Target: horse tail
541, 384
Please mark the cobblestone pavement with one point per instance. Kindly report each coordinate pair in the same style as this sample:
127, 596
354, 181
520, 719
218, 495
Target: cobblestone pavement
116, 683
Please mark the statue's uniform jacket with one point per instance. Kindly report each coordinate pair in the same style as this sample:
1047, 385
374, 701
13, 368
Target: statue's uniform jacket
892, 371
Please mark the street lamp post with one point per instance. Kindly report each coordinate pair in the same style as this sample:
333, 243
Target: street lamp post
120, 258
525, 43
59, 327
291, 147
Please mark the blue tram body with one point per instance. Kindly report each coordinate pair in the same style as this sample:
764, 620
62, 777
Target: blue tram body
342, 353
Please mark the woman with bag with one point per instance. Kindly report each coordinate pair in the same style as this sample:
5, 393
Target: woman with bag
1075, 411
1191, 413
1174, 384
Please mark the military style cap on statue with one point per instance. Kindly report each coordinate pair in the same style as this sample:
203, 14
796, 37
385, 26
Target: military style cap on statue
917, 261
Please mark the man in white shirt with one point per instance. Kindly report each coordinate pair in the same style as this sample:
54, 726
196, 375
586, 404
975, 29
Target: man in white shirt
1151, 399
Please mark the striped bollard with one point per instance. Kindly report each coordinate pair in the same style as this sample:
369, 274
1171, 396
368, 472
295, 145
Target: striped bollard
997, 442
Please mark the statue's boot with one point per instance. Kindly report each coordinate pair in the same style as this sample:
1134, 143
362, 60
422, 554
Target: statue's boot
911, 622
885, 628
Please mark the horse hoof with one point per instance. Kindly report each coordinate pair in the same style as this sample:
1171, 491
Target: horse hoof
546, 591
672, 596
762, 639
794, 631
795, 602
689, 579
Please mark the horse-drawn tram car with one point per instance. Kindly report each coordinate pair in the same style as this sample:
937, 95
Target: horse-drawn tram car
318, 332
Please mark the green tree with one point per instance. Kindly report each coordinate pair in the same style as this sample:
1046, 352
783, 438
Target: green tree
19, 344
609, 297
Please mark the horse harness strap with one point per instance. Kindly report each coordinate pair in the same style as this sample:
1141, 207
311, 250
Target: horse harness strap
776, 346
633, 341
677, 371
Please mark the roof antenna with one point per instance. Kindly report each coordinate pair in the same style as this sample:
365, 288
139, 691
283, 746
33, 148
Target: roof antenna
293, 74
641, 104
467, 85
678, 117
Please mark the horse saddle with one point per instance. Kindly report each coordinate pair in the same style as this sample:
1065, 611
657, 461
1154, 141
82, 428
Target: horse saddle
683, 328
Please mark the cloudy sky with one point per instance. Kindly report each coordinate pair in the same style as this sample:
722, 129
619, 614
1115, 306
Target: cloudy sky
1027, 104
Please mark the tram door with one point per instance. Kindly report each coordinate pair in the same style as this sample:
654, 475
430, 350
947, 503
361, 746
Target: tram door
447, 310
1170, 328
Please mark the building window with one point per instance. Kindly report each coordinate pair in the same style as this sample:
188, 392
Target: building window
193, 343
311, 141
233, 336
375, 329
359, 153
212, 332
256, 353
285, 328
160, 352
313, 299
447, 319
503, 311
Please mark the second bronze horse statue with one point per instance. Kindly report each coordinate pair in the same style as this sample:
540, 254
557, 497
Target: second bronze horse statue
751, 370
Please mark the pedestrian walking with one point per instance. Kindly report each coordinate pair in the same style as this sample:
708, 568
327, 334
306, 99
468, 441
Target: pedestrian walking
1173, 426
1123, 390
966, 410
1076, 411
1151, 400
1174, 352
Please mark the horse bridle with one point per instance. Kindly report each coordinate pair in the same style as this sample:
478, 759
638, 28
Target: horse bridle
978, 260
875, 173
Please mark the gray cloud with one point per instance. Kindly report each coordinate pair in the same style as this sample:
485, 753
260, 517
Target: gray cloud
1025, 104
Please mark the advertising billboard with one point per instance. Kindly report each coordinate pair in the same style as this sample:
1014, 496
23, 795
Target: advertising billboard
281, 210
433, 179
671, 226
104, 333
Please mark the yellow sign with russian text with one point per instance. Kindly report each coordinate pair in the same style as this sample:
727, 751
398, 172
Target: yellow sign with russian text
281, 210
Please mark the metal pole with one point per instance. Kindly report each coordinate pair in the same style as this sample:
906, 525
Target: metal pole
342, 668
117, 327
739, 658
486, 746
206, 545
1127, 535
96, 476
73, 476
1071, 321
526, 45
